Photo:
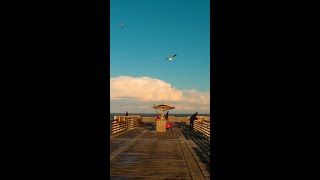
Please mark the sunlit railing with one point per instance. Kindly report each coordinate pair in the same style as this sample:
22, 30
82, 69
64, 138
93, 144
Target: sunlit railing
170, 119
122, 123
202, 126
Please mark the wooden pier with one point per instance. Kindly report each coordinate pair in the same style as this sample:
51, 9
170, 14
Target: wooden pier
139, 152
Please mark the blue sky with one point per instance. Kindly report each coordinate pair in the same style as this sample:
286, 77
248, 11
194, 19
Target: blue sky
155, 30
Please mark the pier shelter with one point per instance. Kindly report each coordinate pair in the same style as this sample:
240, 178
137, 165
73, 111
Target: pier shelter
161, 123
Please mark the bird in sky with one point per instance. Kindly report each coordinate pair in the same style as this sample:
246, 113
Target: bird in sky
171, 57
122, 26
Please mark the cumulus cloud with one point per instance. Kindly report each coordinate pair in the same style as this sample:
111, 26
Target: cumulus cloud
146, 90
143, 88
196, 96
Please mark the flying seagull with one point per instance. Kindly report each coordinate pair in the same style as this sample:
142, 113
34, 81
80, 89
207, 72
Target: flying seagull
171, 57
122, 26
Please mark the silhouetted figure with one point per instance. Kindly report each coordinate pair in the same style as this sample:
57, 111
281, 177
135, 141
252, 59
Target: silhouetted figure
192, 118
127, 114
167, 115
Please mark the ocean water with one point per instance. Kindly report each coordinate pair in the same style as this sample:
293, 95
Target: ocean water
152, 115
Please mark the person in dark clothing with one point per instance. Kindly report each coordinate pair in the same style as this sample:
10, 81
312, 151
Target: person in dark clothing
167, 115
192, 118
126, 113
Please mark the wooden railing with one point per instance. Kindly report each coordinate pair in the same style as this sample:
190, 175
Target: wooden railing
125, 117
148, 119
207, 118
178, 119
123, 123
170, 119
202, 126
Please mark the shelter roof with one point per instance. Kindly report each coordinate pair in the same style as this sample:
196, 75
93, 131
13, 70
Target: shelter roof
163, 107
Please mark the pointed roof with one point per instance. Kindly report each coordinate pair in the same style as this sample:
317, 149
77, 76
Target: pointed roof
163, 107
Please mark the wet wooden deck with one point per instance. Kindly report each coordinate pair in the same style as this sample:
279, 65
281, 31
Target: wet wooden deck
141, 153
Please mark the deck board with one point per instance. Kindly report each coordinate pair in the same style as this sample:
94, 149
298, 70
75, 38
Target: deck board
141, 153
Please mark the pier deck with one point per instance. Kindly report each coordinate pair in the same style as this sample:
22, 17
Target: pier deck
143, 153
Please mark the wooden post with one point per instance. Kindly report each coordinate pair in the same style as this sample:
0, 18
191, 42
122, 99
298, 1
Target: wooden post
162, 114
126, 122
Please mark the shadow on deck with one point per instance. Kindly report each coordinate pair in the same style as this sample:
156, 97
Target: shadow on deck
142, 153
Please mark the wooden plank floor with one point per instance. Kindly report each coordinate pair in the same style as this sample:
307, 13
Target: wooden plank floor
141, 153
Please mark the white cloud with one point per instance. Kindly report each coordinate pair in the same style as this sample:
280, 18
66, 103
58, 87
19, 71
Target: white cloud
148, 90
196, 96
143, 88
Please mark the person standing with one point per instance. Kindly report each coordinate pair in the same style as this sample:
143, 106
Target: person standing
192, 118
167, 115
127, 113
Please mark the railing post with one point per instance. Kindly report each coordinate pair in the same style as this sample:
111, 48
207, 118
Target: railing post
126, 121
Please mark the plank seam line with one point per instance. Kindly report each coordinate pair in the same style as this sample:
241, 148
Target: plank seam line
118, 134
194, 159
123, 147
190, 161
